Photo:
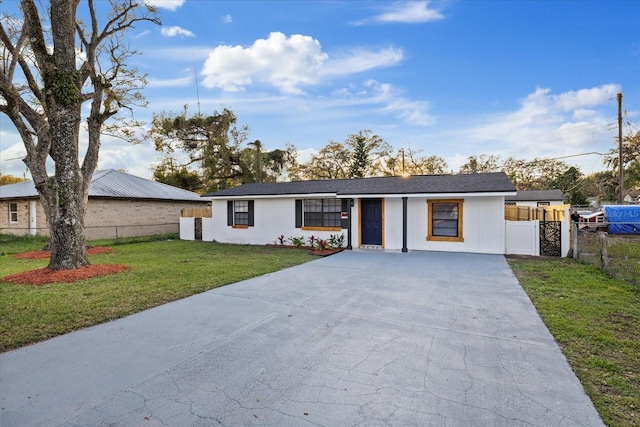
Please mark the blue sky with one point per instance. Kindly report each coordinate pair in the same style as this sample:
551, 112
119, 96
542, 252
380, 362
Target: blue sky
451, 78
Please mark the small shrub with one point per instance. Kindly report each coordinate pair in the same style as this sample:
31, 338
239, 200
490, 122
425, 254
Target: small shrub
281, 239
297, 241
336, 241
321, 244
312, 241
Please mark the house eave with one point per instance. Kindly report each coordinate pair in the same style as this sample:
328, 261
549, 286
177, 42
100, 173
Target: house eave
424, 195
362, 195
275, 196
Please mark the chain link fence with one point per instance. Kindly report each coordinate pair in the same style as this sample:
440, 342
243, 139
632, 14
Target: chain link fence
111, 231
616, 254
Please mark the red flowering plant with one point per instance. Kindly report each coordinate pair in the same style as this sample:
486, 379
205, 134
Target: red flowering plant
321, 244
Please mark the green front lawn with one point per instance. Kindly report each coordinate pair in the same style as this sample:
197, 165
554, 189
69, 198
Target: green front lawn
596, 321
160, 271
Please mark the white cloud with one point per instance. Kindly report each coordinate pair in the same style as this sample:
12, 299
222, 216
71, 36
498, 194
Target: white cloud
178, 82
11, 156
175, 31
288, 63
166, 4
133, 159
361, 60
285, 63
410, 111
569, 101
548, 125
179, 54
226, 19
406, 12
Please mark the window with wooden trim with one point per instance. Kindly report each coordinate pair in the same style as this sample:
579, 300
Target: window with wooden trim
445, 220
13, 212
240, 213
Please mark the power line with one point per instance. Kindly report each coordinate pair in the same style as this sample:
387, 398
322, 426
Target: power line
581, 154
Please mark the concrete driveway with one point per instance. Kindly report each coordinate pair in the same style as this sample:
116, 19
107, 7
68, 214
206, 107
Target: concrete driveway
355, 339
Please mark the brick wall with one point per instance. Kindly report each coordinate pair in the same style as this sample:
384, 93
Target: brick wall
108, 218
22, 226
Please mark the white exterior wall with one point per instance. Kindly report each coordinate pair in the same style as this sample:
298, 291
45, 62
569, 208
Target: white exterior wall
272, 217
483, 226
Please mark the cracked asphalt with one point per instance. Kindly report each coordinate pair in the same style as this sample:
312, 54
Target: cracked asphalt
354, 339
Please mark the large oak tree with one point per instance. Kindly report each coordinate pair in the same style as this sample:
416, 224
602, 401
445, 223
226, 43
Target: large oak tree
52, 62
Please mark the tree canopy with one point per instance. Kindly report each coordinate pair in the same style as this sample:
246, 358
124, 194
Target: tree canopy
10, 179
52, 62
217, 154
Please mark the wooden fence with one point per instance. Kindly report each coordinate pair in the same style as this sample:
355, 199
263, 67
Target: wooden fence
196, 213
525, 213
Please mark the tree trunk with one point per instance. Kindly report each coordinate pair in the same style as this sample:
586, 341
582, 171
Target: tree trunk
67, 222
66, 219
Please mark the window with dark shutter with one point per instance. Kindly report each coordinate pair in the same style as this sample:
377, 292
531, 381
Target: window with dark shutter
240, 213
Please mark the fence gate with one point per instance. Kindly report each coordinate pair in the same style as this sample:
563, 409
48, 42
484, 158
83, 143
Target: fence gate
550, 238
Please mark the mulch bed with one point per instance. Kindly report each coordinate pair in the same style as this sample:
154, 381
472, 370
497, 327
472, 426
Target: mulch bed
325, 252
43, 276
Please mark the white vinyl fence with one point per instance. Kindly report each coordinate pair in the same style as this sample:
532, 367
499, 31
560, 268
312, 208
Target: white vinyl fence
523, 233
523, 237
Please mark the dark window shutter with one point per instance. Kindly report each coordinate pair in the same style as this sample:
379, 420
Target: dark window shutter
298, 213
250, 213
229, 212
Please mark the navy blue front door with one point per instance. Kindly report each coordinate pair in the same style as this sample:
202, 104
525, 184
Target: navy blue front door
371, 221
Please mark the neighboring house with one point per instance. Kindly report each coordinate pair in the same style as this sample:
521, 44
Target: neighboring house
456, 213
120, 205
536, 198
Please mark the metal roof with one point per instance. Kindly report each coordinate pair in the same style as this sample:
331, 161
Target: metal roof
110, 183
496, 182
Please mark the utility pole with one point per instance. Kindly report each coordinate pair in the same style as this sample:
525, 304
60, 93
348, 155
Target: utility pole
620, 165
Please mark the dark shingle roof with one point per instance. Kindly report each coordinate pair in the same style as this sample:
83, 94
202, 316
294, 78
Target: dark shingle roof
536, 196
421, 184
113, 184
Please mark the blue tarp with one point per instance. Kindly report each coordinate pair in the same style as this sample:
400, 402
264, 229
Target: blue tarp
623, 219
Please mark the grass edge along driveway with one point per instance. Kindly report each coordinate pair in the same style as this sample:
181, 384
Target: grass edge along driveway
593, 317
159, 272
596, 321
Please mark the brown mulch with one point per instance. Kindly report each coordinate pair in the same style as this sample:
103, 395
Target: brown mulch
43, 276
97, 250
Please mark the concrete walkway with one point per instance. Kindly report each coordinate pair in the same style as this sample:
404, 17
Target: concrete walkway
354, 339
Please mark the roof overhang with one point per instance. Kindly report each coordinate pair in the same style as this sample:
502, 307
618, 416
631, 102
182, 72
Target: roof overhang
363, 196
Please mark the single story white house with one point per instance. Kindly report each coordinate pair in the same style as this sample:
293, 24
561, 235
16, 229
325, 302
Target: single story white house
536, 198
455, 213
